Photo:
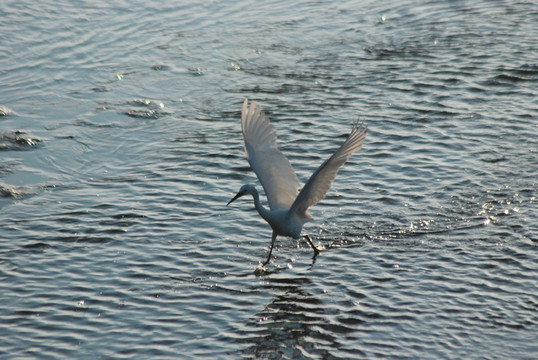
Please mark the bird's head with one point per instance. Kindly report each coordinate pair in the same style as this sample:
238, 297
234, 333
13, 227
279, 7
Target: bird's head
245, 189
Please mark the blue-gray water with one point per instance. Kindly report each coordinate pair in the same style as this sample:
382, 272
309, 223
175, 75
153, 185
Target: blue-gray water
120, 145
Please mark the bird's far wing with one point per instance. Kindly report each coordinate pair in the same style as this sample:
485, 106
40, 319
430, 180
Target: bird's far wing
321, 180
271, 166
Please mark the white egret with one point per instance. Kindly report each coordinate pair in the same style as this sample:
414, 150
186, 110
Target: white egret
288, 207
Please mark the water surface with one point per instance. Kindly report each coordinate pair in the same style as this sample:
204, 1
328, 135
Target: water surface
120, 145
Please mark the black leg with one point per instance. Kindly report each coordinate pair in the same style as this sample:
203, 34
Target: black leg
316, 251
270, 249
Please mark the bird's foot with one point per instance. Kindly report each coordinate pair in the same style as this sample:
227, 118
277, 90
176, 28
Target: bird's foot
316, 250
261, 270
264, 264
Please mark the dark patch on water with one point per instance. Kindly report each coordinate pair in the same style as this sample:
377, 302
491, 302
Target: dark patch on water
17, 140
14, 192
160, 67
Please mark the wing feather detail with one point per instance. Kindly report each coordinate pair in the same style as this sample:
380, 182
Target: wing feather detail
321, 180
272, 168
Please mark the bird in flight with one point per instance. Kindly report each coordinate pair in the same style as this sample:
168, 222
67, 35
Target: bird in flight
288, 207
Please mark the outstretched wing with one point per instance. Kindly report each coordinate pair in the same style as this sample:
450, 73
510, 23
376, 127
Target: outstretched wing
271, 166
320, 182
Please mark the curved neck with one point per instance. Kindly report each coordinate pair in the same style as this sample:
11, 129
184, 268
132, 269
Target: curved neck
264, 213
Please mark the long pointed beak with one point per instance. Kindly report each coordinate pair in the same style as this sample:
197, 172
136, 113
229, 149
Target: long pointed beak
237, 196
